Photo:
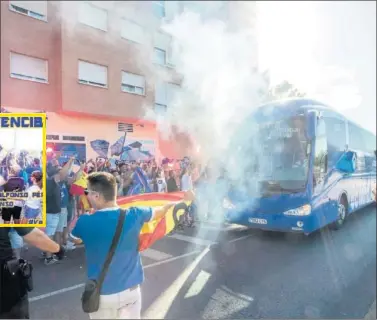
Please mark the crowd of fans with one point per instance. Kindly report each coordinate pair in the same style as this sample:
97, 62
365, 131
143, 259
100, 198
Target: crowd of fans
20, 173
168, 176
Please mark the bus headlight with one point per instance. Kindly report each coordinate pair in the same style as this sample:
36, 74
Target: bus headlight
227, 204
301, 211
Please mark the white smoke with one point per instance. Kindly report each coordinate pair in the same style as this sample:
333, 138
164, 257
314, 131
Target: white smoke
220, 84
220, 87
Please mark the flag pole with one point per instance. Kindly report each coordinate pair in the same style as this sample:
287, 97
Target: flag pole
124, 142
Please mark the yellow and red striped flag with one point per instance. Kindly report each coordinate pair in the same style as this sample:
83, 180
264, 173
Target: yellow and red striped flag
156, 228
79, 186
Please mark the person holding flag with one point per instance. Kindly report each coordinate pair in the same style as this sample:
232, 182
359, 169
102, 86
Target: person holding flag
139, 184
120, 296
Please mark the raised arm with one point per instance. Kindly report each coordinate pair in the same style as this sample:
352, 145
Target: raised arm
65, 170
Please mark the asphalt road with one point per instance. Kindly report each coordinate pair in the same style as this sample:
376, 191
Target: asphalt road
234, 273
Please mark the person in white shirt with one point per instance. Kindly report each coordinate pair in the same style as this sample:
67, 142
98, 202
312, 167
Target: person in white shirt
187, 185
161, 182
186, 181
33, 204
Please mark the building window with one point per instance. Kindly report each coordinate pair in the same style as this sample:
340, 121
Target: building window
172, 92
92, 74
161, 96
159, 8
93, 16
160, 109
165, 95
28, 68
132, 31
162, 43
159, 56
34, 9
133, 83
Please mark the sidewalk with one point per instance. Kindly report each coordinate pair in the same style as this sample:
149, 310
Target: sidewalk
371, 315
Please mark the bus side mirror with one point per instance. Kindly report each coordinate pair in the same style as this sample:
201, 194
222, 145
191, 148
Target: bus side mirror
311, 121
347, 162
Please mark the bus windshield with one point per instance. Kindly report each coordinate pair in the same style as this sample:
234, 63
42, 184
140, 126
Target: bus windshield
277, 155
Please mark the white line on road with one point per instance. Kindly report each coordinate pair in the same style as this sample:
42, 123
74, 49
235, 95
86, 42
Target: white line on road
159, 307
193, 240
198, 285
154, 264
157, 263
155, 254
54, 293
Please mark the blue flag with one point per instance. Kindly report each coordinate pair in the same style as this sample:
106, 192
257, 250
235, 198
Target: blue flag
116, 148
139, 184
101, 147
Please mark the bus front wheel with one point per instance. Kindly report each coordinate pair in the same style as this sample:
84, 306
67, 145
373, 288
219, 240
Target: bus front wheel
341, 214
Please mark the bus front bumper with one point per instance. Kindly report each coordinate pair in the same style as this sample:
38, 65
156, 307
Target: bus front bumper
274, 221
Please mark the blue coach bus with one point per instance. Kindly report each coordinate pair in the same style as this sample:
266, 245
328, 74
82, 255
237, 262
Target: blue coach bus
304, 166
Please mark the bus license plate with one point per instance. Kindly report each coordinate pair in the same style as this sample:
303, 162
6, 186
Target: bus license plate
258, 221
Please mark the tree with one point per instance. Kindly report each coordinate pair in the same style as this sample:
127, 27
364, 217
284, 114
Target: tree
283, 90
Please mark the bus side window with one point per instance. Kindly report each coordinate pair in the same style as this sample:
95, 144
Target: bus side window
360, 163
370, 163
320, 155
336, 133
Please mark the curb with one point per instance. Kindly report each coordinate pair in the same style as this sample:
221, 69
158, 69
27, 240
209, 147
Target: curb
371, 315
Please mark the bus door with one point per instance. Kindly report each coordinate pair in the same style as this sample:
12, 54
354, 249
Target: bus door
320, 169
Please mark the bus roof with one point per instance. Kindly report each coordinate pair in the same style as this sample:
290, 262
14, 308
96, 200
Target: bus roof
294, 106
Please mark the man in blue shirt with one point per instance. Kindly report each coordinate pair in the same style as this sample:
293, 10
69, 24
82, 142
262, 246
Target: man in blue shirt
120, 293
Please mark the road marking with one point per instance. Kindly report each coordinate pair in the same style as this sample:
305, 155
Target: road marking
54, 293
155, 254
160, 307
151, 265
157, 263
198, 285
193, 240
